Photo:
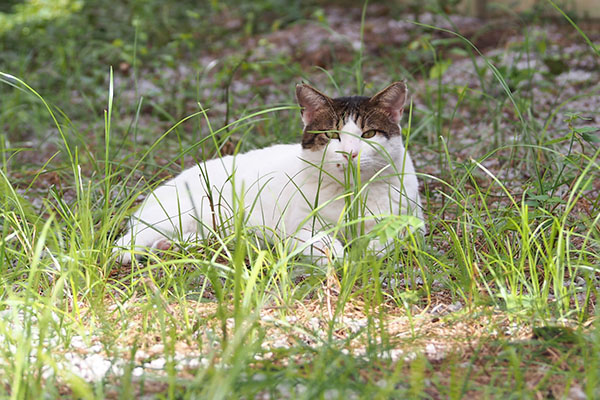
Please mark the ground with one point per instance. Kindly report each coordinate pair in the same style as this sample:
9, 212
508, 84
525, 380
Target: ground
498, 299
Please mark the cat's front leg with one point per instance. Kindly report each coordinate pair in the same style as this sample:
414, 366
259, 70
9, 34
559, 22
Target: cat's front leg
378, 247
140, 239
318, 245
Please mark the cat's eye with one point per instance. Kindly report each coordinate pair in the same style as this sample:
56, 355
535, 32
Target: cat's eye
369, 134
333, 135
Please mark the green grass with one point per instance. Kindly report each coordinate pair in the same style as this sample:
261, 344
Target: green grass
498, 299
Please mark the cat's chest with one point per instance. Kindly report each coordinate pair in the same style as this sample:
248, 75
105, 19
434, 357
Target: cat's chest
331, 200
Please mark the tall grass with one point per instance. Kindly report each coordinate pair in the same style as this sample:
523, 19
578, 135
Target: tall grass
207, 318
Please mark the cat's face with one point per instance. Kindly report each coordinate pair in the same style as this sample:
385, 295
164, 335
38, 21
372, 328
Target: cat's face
348, 129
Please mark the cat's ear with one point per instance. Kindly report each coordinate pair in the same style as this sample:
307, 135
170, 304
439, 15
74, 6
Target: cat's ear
391, 100
311, 100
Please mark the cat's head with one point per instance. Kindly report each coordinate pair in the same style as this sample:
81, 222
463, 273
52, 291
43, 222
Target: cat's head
347, 129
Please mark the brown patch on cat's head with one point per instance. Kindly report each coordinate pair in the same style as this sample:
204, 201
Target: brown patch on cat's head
318, 115
322, 114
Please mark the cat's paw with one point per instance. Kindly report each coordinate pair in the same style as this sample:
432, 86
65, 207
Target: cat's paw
327, 250
123, 253
143, 243
122, 256
336, 249
379, 248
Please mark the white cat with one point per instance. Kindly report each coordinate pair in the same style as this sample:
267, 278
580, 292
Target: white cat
294, 191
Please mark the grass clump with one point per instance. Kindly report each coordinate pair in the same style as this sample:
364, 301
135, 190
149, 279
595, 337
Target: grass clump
497, 299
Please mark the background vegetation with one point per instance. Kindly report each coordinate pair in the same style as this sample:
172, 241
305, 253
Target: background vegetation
99, 103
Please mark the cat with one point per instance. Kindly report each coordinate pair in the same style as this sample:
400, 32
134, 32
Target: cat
293, 191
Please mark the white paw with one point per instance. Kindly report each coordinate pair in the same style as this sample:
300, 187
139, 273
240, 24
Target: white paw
162, 244
326, 250
336, 248
379, 248
123, 256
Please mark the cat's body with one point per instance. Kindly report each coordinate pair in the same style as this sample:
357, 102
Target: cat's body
281, 186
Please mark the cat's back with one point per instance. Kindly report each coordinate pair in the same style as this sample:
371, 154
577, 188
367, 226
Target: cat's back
279, 157
270, 162
273, 159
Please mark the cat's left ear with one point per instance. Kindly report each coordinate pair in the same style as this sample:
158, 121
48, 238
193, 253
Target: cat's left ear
311, 101
391, 100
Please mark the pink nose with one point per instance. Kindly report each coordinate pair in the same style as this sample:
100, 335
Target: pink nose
353, 155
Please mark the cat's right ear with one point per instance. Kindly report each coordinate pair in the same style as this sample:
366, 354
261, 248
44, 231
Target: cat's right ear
311, 100
391, 100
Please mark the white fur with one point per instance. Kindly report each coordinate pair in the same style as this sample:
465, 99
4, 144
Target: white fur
278, 186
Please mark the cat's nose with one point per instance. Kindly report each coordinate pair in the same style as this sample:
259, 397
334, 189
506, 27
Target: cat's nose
354, 155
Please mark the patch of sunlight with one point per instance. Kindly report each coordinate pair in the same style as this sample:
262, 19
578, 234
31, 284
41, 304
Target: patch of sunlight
32, 11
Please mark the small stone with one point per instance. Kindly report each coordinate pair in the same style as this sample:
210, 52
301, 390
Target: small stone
158, 363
